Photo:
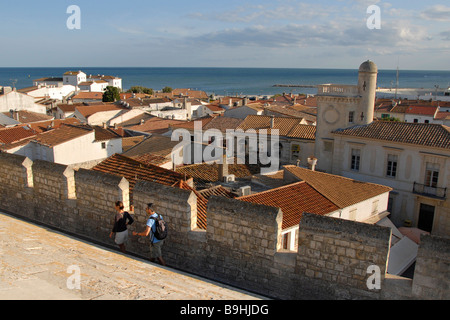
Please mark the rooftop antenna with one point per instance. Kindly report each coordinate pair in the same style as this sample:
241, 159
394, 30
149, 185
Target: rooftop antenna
13, 81
396, 85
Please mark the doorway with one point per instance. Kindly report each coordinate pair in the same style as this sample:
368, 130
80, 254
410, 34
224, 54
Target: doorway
426, 217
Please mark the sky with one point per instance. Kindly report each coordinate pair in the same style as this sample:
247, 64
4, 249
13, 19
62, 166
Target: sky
412, 34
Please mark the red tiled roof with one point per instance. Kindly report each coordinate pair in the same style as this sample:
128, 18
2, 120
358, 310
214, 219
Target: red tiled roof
343, 192
60, 135
10, 135
421, 110
288, 127
89, 96
133, 170
294, 200
430, 135
88, 111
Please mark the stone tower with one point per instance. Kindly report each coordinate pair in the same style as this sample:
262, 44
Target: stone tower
367, 88
343, 106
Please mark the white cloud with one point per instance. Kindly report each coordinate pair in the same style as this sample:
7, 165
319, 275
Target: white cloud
436, 13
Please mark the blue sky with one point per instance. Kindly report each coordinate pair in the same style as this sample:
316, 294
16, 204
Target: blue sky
196, 33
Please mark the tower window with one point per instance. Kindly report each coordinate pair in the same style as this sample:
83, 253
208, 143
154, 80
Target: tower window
432, 175
351, 116
356, 159
392, 166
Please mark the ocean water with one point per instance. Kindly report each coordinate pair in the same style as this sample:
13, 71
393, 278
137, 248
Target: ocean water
233, 81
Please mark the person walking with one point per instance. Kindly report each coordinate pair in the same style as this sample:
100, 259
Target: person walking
122, 219
156, 245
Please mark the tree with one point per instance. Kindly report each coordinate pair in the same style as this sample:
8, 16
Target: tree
167, 90
111, 94
140, 89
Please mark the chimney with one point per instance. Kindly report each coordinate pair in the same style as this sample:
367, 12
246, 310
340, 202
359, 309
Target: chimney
312, 162
272, 122
223, 168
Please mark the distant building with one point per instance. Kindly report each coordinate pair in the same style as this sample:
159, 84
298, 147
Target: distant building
110, 80
74, 78
13, 100
93, 86
69, 145
412, 158
49, 82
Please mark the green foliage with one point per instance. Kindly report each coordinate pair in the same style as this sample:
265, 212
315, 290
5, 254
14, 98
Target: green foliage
167, 90
140, 89
111, 94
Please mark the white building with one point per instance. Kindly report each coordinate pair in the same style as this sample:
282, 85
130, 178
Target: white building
16, 101
70, 144
49, 82
74, 78
50, 92
110, 80
93, 86
411, 158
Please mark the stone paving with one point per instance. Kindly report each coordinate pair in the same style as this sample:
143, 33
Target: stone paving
38, 263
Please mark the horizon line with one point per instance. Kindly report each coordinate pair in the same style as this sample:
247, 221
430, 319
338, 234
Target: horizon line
171, 67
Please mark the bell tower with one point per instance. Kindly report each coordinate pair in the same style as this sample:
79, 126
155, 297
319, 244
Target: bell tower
342, 106
367, 88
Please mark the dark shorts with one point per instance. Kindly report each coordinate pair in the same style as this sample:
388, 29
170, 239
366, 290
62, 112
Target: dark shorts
155, 249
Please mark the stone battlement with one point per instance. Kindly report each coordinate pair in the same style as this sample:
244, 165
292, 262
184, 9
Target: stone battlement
241, 245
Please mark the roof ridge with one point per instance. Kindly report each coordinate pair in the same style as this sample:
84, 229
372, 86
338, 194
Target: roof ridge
274, 189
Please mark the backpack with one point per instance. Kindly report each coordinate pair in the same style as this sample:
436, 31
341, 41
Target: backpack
160, 227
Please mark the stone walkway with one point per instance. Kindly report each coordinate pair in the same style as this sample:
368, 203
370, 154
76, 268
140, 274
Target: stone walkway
37, 263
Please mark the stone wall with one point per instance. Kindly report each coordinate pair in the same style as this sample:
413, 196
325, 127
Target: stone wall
338, 256
241, 245
432, 272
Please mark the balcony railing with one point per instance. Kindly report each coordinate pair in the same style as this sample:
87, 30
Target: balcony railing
433, 192
337, 90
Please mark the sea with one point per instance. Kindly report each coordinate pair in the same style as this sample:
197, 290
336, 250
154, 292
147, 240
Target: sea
234, 81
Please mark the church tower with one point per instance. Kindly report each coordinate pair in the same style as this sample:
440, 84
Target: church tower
367, 88
342, 106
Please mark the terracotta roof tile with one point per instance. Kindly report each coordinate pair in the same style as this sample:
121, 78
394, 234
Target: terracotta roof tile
88, 111
430, 135
60, 135
421, 110
303, 131
222, 124
342, 191
155, 145
89, 96
288, 127
132, 170
10, 135
294, 200
24, 116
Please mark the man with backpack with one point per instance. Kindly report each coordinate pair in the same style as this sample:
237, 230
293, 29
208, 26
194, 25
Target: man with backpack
157, 230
